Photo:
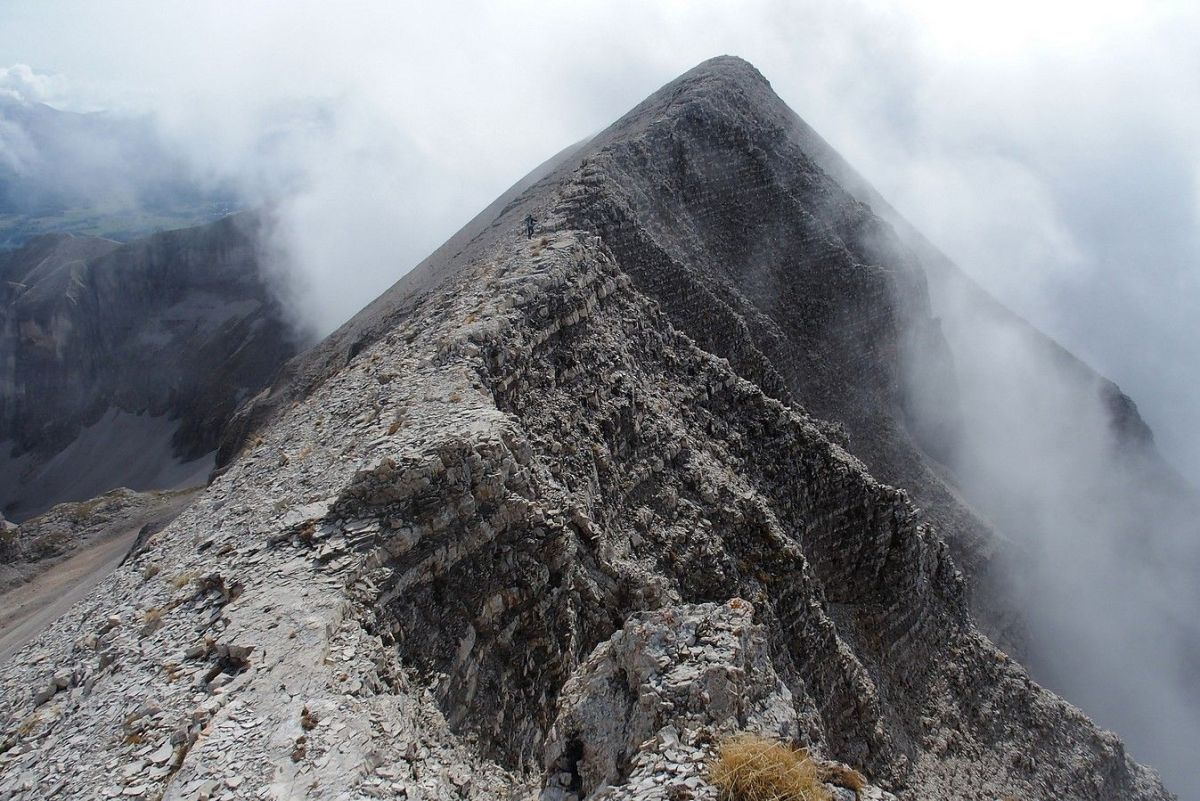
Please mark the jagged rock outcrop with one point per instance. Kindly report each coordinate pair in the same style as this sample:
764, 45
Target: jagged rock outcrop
436, 534
643, 716
10, 547
121, 363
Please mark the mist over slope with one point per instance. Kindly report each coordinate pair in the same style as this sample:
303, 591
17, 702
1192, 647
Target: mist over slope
1050, 148
1102, 534
476, 493
1107, 532
100, 174
662, 419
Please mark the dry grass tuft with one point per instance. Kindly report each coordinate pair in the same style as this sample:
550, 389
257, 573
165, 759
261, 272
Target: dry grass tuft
152, 621
308, 719
842, 776
29, 724
184, 579
753, 768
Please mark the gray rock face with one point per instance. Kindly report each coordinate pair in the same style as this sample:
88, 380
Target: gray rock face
485, 541
159, 340
693, 672
10, 546
643, 716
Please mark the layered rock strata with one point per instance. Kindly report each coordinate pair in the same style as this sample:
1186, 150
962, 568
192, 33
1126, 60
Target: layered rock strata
470, 546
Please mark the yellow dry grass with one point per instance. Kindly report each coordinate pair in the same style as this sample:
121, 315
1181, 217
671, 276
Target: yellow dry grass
842, 776
753, 768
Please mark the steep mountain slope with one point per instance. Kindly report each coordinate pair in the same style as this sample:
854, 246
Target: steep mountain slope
1101, 537
121, 364
551, 517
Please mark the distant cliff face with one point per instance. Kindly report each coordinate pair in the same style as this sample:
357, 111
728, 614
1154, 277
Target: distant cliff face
556, 515
133, 354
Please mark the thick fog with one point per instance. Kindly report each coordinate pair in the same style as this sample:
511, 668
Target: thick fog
1051, 149
1105, 536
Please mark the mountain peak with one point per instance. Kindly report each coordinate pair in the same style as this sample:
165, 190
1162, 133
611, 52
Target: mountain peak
721, 87
732, 69
511, 521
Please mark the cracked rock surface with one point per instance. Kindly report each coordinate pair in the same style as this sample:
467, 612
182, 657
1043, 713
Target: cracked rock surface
513, 532
642, 717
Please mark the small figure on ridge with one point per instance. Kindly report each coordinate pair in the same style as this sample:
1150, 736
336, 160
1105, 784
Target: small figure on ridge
529, 222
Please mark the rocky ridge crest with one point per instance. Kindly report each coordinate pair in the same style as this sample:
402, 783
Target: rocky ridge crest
511, 481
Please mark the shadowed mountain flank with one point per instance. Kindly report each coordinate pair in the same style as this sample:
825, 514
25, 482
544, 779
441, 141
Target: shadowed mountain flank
557, 514
122, 363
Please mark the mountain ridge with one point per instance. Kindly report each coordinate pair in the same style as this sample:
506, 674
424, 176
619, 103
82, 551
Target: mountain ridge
509, 472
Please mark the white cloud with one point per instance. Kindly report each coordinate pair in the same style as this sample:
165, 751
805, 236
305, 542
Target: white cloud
21, 82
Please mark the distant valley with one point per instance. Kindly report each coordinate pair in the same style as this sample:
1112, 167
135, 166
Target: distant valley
97, 174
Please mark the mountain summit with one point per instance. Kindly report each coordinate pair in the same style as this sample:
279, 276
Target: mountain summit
559, 513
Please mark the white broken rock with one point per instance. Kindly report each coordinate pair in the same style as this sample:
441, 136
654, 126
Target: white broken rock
163, 754
664, 678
